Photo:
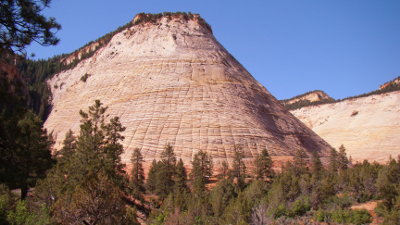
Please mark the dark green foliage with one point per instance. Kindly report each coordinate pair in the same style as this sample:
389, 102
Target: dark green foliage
238, 167
21, 215
333, 161
300, 162
28, 155
180, 178
69, 147
344, 216
21, 23
151, 181
202, 170
136, 183
316, 164
263, 163
89, 186
342, 161
388, 183
165, 174
220, 196
85, 77
5, 203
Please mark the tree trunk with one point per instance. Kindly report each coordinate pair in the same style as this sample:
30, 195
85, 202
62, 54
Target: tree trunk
24, 191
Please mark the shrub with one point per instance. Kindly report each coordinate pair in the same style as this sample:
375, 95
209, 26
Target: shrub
344, 216
300, 207
85, 77
360, 217
322, 216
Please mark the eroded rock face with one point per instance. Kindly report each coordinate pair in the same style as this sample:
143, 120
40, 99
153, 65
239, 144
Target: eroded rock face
394, 82
313, 96
369, 127
171, 82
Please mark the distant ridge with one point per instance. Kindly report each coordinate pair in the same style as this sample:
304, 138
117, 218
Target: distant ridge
306, 99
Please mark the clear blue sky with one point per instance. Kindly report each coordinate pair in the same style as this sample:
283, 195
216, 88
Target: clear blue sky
344, 47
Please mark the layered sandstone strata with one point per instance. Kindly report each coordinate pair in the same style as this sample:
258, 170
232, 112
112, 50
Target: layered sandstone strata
171, 82
369, 127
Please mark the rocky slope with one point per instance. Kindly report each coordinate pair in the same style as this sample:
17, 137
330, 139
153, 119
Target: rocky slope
369, 127
312, 96
392, 83
306, 99
171, 82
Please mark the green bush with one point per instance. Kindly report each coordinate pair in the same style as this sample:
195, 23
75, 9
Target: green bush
344, 216
279, 211
360, 217
4, 203
85, 77
322, 216
300, 207
22, 216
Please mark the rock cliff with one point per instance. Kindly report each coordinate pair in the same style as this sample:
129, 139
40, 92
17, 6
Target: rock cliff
171, 82
369, 127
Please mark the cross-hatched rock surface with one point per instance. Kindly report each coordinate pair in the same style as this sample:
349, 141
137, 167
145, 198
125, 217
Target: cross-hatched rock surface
171, 82
368, 127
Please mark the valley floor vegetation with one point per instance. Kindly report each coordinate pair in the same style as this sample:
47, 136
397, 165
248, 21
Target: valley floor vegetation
85, 182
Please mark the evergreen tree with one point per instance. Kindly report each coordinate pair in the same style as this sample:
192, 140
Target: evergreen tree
137, 175
152, 177
316, 164
69, 146
165, 174
343, 161
238, 167
181, 177
21, 23
263, 163
224, 170
33, 156
89, 188
388, 183
180, 193
333, 161
202, 169
299, 162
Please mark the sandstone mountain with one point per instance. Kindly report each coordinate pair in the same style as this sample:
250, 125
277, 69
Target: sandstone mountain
171, 82
367, 125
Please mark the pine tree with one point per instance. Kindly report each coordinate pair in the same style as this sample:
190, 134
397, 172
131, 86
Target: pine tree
152, 177
238, 167
69, 146
263, 163
165, 174
343, 161
33, 156
224, 170
202, 169
316, 164
23, 23
180, 177
89, 187
136, 183
180, 193
333, 161
299, 162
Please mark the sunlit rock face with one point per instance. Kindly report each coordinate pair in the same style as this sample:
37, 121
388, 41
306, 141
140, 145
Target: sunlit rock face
171, 82
368, 127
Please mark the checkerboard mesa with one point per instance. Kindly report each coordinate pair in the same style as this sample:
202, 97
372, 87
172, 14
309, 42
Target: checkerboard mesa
171, 82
